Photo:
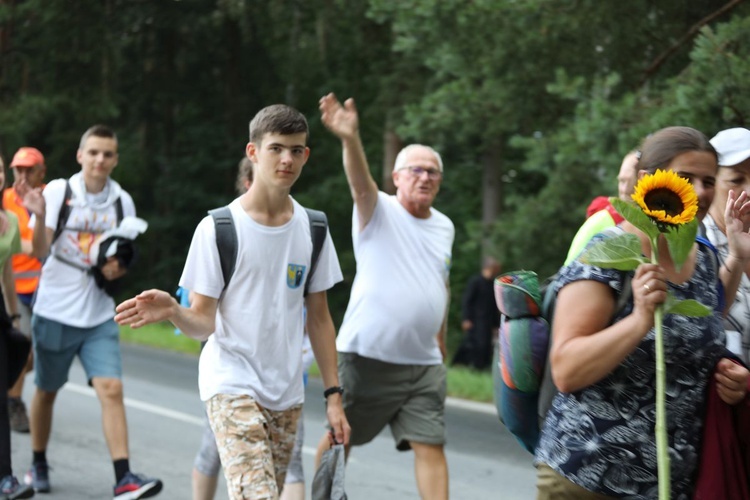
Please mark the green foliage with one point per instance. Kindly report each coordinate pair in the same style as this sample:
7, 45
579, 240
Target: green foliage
464, 383
471, 384
680, 241
621, 252
687, 307
637, 217
545, 97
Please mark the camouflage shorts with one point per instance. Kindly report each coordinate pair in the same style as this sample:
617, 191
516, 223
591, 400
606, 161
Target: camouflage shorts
255, 444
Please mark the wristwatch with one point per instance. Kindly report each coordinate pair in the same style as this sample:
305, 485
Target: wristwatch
333, 390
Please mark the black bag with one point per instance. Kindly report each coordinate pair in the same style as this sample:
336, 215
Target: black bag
125, 254
17, 346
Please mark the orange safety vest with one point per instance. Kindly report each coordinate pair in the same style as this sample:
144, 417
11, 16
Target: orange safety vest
26, 269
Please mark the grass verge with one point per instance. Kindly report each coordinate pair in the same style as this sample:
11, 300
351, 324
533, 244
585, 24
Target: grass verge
463, 383
161, 336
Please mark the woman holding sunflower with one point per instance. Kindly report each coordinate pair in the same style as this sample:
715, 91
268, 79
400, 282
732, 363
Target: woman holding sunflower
598, 439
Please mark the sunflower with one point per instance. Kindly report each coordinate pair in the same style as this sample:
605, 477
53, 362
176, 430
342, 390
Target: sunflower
666, 197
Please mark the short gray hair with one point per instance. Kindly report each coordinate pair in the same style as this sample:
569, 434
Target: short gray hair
400, 163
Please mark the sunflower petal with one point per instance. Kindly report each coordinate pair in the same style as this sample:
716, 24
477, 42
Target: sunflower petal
667, 198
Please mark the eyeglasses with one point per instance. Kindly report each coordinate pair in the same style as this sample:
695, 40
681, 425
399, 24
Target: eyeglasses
432, 173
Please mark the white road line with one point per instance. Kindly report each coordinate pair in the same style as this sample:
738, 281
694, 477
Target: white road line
140, 405
156, 410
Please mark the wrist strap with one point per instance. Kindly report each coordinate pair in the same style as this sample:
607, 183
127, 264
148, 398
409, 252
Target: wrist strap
333, 390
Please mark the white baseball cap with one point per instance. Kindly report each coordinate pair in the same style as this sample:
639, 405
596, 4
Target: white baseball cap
733, 146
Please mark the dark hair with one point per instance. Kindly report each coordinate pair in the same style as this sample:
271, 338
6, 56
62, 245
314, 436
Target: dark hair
97, 131
277, 119
661, 147
244, 173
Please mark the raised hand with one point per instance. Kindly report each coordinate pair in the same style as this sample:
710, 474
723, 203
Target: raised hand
34, 202
737, 208
343, 121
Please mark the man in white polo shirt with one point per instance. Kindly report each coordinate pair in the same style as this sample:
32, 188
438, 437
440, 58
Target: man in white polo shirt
392, 341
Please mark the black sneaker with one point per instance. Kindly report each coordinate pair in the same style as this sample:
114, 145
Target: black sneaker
11, 489
38, 477
19, 418
133, 486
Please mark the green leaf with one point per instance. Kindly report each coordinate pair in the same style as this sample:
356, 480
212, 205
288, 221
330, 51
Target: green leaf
680, 240
621, 252
635, 216
688, 307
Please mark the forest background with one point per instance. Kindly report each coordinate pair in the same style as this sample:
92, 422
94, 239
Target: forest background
532, 103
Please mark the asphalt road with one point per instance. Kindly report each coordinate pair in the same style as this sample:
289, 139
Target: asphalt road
165, 422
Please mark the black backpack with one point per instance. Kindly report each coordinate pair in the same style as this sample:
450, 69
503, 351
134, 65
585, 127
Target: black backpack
226, 240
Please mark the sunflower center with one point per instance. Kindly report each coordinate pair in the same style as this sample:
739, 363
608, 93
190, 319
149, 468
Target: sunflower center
664, 199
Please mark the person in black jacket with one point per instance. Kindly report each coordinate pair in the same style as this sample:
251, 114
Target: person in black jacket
480, 318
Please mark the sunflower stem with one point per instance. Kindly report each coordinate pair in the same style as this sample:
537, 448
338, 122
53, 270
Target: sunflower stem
662, 444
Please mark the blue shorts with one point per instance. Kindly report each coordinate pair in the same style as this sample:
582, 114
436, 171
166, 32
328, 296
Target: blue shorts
57, 344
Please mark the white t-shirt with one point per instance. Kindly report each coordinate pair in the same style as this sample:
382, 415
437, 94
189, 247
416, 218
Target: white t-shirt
399, 296
67, 292
257, 346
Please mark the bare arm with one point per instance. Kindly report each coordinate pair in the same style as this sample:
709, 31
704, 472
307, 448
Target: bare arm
323, 340
343, 121
27, 247
153, 306
9, 289
585, 347
443, 332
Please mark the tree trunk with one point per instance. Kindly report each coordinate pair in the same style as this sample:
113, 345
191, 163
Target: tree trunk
392, 144
492, 195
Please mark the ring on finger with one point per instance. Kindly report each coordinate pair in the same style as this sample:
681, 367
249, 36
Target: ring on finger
648, 288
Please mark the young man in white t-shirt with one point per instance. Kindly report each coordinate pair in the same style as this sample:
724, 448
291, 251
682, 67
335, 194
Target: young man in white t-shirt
250, 372
72, 315
392, 341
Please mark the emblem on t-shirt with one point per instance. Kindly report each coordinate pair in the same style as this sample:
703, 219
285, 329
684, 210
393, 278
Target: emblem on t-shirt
294, 275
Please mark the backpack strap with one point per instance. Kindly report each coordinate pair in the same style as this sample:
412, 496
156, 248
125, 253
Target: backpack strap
226, 241
713, 265
62, 217
318, 231
64, 214
118, 208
